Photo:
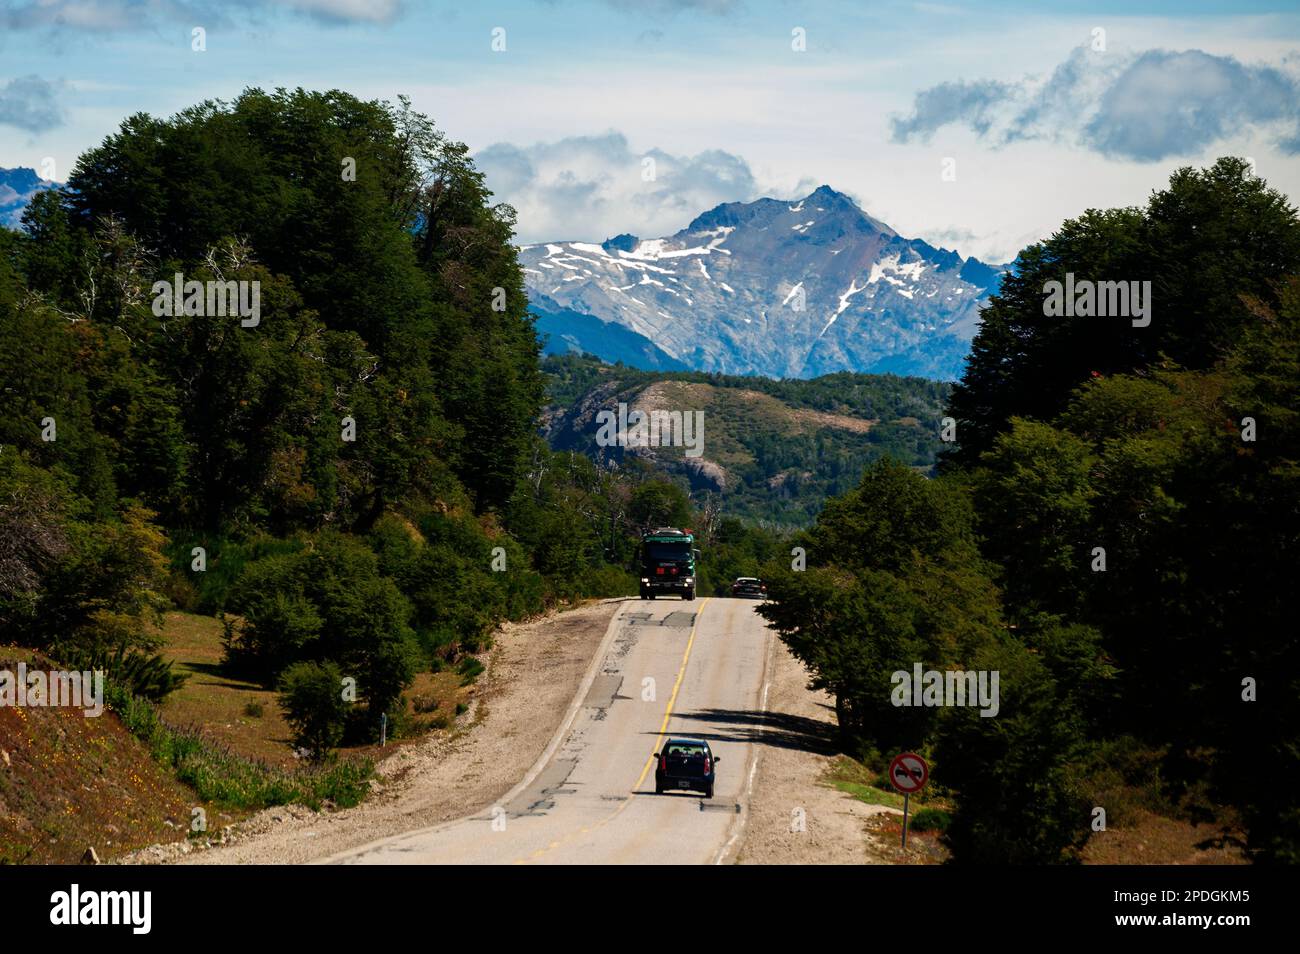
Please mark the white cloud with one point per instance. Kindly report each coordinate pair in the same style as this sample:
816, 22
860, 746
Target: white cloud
588, 188
1142, 107
30, 103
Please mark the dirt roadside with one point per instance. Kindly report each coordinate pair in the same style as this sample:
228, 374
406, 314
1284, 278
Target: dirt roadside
533, 673
794, 818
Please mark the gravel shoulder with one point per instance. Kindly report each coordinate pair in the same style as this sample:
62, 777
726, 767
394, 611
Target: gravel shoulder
794, 817
533, 672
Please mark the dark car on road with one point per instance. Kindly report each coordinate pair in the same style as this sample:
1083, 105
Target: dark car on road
749, 587
685, 764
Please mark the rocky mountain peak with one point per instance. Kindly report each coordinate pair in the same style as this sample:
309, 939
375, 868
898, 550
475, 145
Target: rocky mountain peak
784, 288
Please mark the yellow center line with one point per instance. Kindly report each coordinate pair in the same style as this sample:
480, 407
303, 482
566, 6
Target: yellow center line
672, 700
650, 760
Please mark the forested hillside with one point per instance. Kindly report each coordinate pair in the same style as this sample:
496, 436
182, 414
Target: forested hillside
351, 478
1117, 534
772, 450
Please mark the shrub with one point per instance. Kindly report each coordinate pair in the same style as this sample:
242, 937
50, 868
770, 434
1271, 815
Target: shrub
470, 669
1019, 798
312, 698
150, 677
930, 819
327, 601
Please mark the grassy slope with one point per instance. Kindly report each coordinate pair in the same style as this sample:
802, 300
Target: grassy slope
218, 703
245, 717
782, 460
68, 782
734, 417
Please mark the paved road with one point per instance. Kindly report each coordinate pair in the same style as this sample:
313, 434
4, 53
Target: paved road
668, 667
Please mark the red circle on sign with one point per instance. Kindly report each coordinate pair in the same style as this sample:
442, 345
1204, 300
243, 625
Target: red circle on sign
908, 772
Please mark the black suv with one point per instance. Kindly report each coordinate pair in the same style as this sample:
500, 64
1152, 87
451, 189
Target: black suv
685, 764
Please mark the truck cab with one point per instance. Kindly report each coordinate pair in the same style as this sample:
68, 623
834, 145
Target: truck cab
667, 563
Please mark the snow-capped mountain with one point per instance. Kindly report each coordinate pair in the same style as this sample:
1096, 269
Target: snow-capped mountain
783, 289
17, 186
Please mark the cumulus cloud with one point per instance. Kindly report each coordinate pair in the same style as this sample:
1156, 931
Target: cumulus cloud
1145, 106
1178, 103
112, 16
30, 103
592, 187
975, 104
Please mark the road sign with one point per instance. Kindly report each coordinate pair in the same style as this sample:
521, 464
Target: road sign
908, 772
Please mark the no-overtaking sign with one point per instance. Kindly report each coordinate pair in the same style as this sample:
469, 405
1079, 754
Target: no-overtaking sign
908, 772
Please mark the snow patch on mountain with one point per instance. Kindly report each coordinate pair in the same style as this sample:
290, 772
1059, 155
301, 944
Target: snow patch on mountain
868, 299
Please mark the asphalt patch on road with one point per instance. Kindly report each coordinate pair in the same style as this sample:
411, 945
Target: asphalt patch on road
623, 643
603, 691
678, 618
539, 798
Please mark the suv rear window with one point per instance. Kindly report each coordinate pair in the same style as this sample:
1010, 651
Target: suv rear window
685, 750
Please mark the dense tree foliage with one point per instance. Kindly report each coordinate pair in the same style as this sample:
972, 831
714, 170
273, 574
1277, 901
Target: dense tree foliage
1117, 535
352, 474
1208, 243
391, 295
894, 578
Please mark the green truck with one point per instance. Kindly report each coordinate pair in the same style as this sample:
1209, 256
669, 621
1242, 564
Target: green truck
668, 563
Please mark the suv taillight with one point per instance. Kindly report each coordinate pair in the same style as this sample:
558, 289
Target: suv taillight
708, 765
663, 763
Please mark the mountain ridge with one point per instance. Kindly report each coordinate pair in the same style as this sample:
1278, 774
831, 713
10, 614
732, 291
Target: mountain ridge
17, 188
770, 287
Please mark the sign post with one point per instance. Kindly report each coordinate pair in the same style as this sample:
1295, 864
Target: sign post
908, 773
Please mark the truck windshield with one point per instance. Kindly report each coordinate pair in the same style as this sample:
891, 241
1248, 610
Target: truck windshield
667, 551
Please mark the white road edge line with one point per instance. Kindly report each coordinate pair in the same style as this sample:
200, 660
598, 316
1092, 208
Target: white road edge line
575, 706
743, 818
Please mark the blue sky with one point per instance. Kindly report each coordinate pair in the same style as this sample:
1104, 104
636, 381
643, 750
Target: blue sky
1037, 120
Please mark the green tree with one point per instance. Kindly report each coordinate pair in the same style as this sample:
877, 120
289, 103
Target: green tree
1210, 238
311, 695
894, 579
327, 601
1034, 497
658, 503
1020, 800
